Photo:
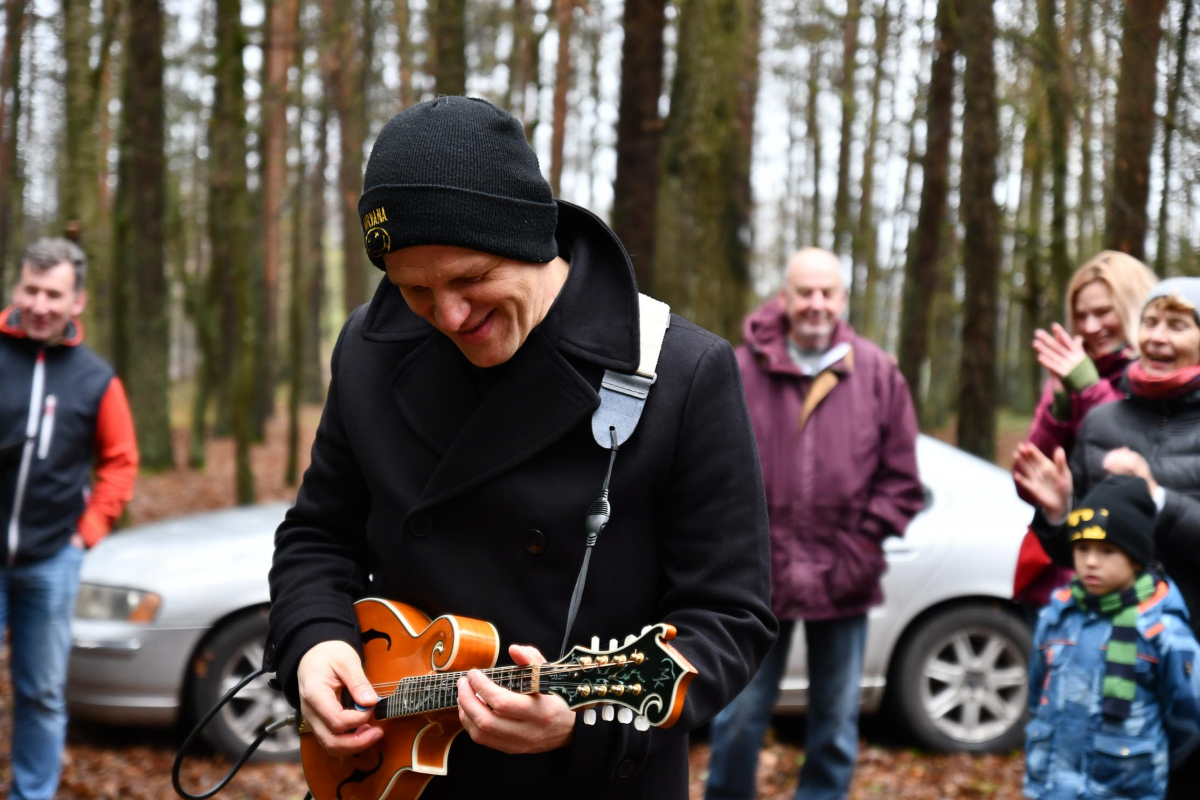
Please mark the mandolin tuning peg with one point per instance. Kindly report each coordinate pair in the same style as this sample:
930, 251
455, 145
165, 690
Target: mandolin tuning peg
630, 639
595, 642
641, 722
624, 716
612, 644
589, 717
607, 714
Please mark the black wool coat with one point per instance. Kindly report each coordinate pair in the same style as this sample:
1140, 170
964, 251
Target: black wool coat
1167, 434
464, 491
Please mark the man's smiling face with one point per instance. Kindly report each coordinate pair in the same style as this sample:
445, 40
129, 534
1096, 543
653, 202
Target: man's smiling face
486, 304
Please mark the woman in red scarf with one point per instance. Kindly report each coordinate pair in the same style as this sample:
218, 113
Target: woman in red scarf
1086, 363
1154, 434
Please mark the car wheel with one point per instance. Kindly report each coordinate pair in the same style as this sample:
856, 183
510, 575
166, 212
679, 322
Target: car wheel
961, 680
231, 653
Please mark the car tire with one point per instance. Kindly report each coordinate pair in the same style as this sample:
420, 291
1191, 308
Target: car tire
231, 652
960, 681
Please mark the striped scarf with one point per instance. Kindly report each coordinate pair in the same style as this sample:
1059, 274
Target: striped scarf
1120, 677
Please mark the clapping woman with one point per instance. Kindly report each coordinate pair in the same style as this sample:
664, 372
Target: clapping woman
1086, 362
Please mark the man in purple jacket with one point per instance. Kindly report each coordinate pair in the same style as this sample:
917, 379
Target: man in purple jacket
836, 435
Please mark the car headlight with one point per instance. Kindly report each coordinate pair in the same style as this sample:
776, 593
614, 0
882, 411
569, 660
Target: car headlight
114, 603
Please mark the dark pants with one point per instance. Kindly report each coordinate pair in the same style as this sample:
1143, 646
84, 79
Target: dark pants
835, 660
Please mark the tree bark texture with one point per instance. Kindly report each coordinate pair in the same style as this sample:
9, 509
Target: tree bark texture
1137, 87
563, 13
10, 121
230, 227
701, 256
864, 249
981, 235
842, 223
404, 49
639, 135
1169, 126
449, 28
143, 337
922, 264
1058, 102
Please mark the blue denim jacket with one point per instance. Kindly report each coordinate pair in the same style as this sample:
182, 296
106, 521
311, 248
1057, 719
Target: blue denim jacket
1074, 751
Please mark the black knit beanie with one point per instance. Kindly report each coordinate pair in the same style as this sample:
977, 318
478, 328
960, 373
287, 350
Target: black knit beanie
457, 171
1120, 511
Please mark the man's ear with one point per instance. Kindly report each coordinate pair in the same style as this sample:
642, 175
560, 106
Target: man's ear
80, 303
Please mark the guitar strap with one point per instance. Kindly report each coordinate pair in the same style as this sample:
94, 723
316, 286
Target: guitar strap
622, 398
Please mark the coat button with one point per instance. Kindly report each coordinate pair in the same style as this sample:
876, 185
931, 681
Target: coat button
535, 541
420, 525
625, 769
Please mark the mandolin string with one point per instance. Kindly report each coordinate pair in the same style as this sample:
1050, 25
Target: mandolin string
495, 673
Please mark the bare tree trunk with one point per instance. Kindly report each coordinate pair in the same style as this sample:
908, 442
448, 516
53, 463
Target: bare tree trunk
143, 337
1058, 99
921, 268
229, 218
345, 66
865, 248
283, 20
813, 132
404, 49
1087, 205
314, 382
639, 134
977, 374
1031, 247
10, 121
700, 263
563, 11
1169, 126
448, 24
1137, 86
842, 224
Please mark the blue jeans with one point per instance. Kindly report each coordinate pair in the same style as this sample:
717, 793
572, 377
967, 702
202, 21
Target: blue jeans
835, 661
36, 602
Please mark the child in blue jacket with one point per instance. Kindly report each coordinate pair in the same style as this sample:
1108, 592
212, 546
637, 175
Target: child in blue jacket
1114, 694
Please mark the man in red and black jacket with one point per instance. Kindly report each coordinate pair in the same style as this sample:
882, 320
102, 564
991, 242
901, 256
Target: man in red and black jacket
61, 409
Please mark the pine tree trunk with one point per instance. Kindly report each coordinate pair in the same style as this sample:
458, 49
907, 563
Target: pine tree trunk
563, 11
448, 24
813, 133
283, 21
639, 135
842, 223
140, 251
921, 267
700, 264
1169, 126
1031, 247
314, 381
981, 238
345, 69
10, 121
229, 229
404, 49
1087, 205
1137, 87
865, 249
1058, 99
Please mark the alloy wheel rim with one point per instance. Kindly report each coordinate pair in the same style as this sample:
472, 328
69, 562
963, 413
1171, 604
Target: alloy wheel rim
974, 685
257, 704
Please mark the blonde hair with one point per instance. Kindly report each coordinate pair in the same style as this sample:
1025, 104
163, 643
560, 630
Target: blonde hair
1127, 279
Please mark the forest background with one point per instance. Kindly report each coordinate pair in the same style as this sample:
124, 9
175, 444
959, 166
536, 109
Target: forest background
961, 156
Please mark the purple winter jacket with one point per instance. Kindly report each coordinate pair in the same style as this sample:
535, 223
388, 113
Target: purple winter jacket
838, 483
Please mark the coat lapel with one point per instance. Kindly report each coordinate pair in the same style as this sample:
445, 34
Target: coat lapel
530, 402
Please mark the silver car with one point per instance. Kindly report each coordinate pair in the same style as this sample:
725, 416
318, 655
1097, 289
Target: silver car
173, 613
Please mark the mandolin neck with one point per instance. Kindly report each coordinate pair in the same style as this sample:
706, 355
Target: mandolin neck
422, 694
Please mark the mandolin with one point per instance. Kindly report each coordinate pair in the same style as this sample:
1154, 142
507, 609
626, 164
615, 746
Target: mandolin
414, 664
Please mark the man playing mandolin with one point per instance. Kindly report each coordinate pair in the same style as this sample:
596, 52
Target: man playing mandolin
458, 458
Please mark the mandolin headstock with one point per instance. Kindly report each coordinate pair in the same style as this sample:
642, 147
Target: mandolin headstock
645, 675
